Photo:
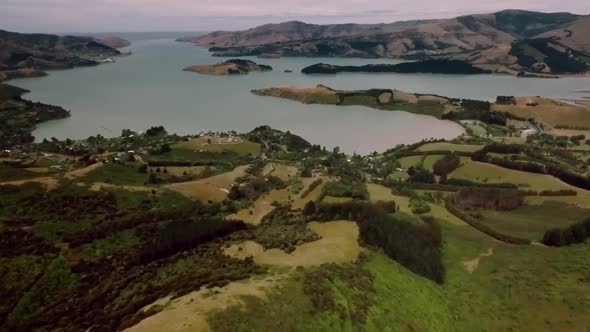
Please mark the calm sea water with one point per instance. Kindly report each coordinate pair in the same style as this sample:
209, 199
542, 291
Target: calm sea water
149, 88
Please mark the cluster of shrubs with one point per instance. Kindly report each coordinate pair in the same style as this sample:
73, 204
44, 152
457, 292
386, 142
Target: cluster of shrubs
184, 235
420, 175
418, 205
563, 192
156, 131
477, 110
255, 187
347, 188
446, 165
312, 187
485, 228
488, 198
576, 233
417, 247
469, 183
505, 100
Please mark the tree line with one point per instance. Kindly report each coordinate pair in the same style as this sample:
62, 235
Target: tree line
184, 235
416, 247
576, 233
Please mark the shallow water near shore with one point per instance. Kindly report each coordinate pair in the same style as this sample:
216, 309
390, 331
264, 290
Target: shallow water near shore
149, 88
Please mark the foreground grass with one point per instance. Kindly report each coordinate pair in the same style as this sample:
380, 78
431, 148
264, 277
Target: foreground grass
516, 288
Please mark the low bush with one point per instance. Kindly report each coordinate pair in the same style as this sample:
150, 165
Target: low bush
576, 233
347, 188
488, 198
311, 187
184, 235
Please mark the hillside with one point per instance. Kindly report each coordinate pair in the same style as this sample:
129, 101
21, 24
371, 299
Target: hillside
291, 31
21, 53
483, 39
573, 35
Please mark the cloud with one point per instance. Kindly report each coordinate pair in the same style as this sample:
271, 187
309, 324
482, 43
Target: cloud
138, 15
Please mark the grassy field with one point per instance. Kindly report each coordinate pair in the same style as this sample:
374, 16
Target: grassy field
283, 172
10, 173
299, 202
213, 188
380, 193
181, 171
530, 221
219, 145
338, 244
547, 111
425, 161
581, 200
487, 173
264, 205
444, 146
336, 200
117, 174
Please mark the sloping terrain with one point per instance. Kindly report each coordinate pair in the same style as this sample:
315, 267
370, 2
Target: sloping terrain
290, 31
19, 52
483, 39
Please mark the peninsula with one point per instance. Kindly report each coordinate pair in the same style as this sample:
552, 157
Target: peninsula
440, 66
28, 55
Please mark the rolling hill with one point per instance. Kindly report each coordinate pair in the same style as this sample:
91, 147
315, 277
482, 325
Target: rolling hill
490, 40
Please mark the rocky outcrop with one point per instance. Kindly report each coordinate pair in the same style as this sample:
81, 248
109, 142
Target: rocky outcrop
229, 67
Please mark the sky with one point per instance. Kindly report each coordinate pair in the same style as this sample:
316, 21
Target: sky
206, 15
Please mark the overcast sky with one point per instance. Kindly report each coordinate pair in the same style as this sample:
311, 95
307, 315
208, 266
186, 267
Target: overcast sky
205, 15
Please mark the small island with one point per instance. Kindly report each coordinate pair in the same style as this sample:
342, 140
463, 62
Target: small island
439, 66
229, 67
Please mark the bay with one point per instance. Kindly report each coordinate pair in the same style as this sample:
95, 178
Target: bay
149, 88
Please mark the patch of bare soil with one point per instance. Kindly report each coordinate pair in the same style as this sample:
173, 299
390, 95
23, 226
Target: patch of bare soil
303, 95
473, 264
338, 244
405, 97
263, 206
218, 69
81, 172
98, 186
189, 313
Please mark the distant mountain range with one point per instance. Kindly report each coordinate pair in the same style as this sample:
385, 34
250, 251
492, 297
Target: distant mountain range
25, 55
508, 41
